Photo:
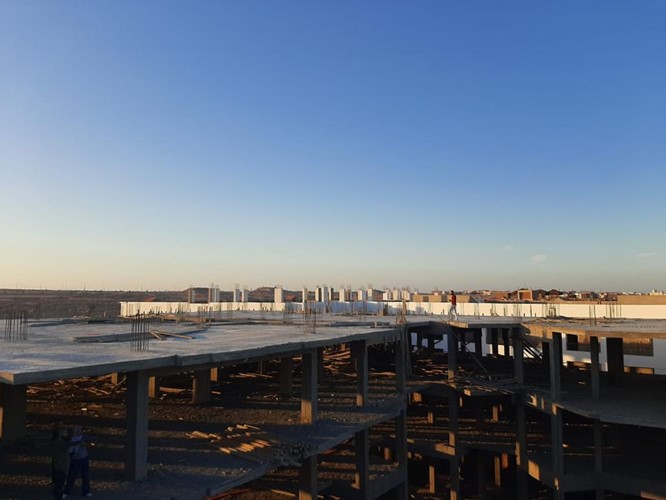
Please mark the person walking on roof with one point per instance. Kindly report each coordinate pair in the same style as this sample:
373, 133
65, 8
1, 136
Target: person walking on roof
452, 310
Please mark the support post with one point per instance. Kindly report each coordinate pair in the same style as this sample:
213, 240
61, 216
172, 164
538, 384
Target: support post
454, 462
362, 457
13, 413
401, 351
402, 489
216, 374
482, 475
518, 357
286, 377
505, 341
556, 366
452, 355
136, 446
522, 477
153, 387
494, 342
557, 447
360, 354
615, 356
594, 367
201, 386
478, 344
308, 478
432, 476
309, 388
598, 459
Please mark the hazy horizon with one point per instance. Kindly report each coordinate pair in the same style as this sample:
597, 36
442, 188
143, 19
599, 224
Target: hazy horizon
155, 145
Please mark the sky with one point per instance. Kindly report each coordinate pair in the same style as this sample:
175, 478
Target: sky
477, 144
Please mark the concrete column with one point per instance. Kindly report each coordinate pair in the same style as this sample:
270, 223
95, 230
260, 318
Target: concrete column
308, 479
432, 476
454, 405
286, 377
362, 458
136, 446
594, 367
359, 350
419, 341
557, 447
201, 386
545, 355
481, 475
153, 387
452, 355
309, 388
431, 344
598, 458
13, 413
401, 453
455, 492
320, 362
497, 471
615, 356
556, 366
522, 478
494, 342
401, 351
478, 343
505, 341
518, 357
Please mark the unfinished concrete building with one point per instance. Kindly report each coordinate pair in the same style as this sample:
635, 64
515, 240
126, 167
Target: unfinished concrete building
482, 407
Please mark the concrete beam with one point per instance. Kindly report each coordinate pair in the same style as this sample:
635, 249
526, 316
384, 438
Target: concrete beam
309, 388
13, 413
136, 445
201, 386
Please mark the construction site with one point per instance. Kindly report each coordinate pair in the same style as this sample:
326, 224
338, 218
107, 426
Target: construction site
341, 399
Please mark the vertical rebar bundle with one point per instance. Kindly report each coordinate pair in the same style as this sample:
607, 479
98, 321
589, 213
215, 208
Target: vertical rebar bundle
140, 337
310, 317
16, 326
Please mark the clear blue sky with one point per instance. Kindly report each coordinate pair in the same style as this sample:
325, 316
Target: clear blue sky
459, 144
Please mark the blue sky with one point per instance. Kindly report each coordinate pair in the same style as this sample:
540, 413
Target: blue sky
154, 145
